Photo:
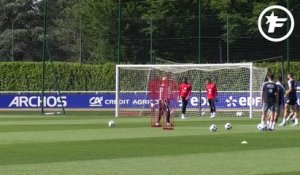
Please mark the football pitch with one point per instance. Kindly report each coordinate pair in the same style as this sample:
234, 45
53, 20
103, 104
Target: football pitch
82, 144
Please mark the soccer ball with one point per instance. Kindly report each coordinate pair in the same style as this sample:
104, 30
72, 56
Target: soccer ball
111, 124
228, 126
260, 127
152, 105
213, 128
239, 114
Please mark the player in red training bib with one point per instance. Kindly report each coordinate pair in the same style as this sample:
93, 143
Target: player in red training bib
185, 91
212, 93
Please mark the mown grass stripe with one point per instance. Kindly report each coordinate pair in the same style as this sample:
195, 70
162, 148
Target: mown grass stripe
253, 162
141, 147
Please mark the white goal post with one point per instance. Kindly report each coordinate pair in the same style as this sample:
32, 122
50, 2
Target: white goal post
238, 85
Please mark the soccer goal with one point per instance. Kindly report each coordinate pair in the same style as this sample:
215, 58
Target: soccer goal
238, 87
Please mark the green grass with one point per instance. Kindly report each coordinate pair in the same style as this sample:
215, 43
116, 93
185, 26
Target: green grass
82, 144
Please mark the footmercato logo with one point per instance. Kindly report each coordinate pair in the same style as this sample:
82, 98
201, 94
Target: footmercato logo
274, 22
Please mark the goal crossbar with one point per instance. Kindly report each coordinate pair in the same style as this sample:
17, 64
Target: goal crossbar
185, 65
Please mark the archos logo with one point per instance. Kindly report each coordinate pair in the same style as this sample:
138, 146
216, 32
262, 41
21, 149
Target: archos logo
274, 22
36, 101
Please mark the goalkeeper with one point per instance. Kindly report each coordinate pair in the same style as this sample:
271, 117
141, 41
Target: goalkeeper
185, 91
212, 93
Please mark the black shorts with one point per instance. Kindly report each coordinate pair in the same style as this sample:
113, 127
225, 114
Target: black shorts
278, 109
269, 106
291, 102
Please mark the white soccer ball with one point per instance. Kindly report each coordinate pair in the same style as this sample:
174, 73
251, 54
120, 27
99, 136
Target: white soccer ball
228, 126
203, 113
111, 124
213, 128
152, 105
239, 114
260, 127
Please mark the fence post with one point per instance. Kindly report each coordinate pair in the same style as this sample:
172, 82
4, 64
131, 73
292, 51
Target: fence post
227, 37
12, 41
199, 32
220, 51
44, 54
119, 31
80, 42
151, 41
288, 40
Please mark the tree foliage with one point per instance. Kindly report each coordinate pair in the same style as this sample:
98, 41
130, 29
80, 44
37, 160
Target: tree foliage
100, 29
241, 14
88, 29
20, 19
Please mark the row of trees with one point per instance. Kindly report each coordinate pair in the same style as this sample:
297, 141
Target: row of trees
88, 30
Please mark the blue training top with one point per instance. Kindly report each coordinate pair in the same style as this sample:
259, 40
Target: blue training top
293, 94
269, 90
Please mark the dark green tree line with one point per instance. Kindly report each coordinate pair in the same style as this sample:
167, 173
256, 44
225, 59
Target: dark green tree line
88, 29
20, 19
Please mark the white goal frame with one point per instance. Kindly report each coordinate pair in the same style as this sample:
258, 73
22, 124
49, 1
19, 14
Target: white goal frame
200, 66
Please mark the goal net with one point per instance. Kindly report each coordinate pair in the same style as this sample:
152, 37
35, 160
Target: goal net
238, 87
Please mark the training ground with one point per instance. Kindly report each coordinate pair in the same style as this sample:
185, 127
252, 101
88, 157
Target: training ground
83, 144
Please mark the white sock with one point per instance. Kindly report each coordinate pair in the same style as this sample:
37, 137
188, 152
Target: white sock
273, 125
296, 120
263, 123
283, 120
268, 124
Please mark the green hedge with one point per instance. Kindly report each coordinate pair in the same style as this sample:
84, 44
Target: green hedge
275, 68
27, 76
